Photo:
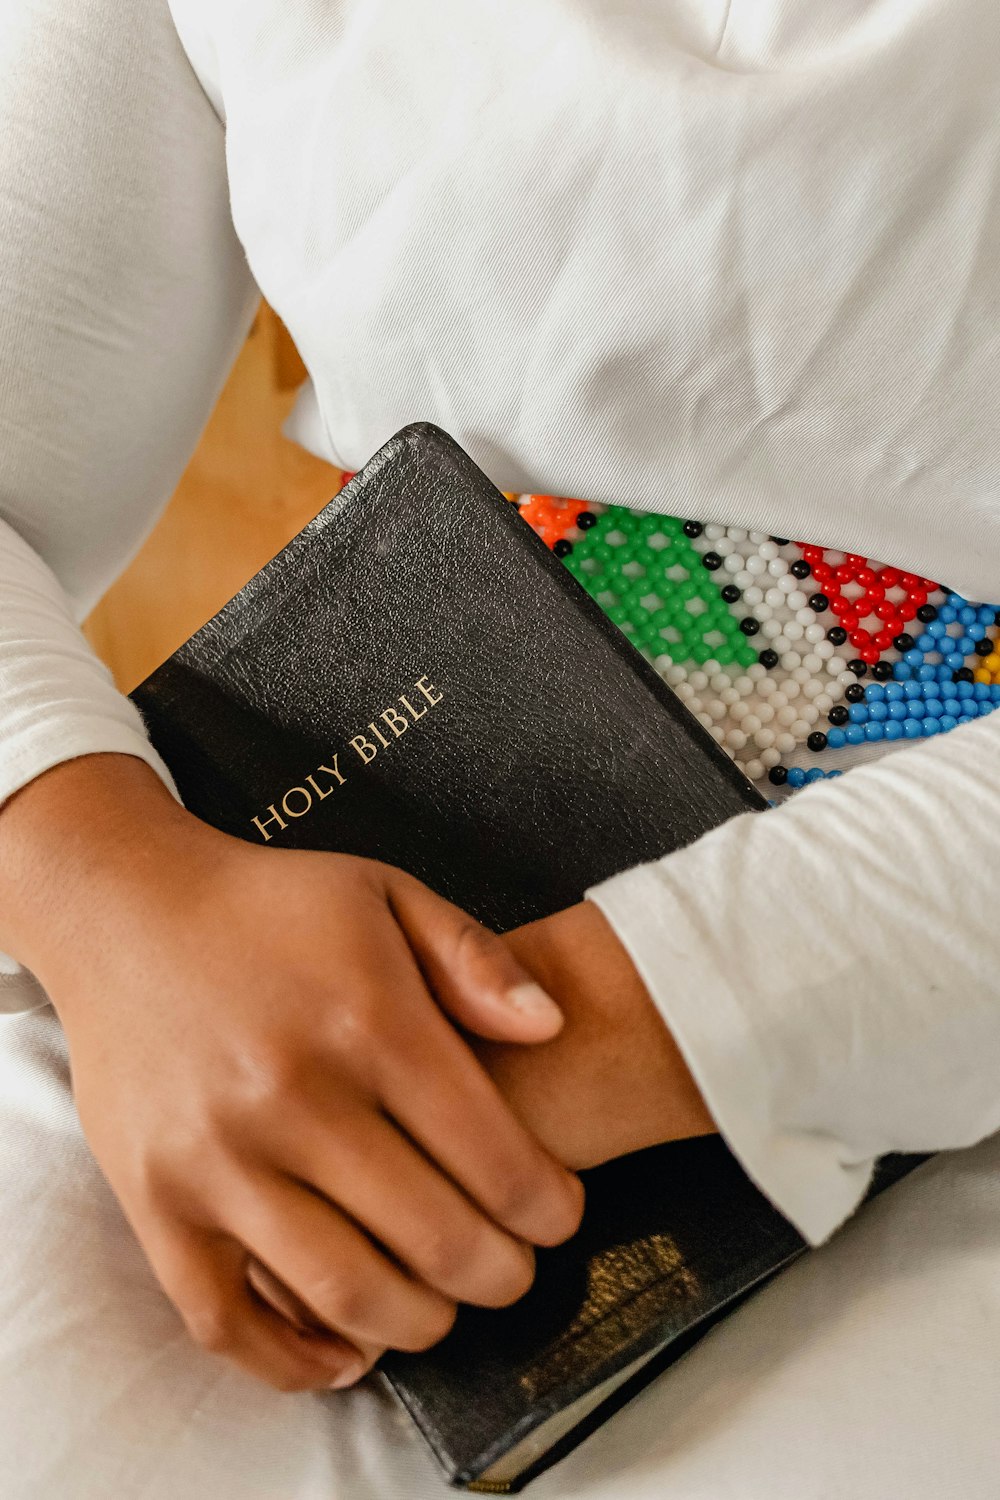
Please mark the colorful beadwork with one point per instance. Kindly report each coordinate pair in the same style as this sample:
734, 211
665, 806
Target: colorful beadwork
785, 651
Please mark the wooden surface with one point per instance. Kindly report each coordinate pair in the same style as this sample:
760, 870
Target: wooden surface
246, 492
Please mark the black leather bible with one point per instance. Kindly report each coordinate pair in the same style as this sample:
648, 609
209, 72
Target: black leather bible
417, 679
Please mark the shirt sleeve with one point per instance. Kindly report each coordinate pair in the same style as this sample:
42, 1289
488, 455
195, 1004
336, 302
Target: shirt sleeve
124, 297
830, 970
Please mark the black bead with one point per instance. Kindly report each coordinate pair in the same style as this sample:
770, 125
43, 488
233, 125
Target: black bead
777, 775
984, 647
838, 714
858, 667
964, 674
926, 613
904, 642
779, 541
562, 548
800, 568
693, 528
586, 519
769, 659
817, 740
749, 626
731, 594
711, 561
882, 671
837, 635
819, 602
855, 693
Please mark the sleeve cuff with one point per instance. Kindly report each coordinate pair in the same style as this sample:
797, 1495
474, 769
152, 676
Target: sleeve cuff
711, 1018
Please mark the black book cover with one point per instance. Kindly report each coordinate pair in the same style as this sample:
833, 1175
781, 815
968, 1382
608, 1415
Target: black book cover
415, 678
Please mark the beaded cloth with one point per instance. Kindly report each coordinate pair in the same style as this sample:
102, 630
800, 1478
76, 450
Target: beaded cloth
794, 657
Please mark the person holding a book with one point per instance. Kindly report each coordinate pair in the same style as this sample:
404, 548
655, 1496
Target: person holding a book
731, 261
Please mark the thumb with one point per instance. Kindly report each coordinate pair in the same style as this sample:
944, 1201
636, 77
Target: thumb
471, 972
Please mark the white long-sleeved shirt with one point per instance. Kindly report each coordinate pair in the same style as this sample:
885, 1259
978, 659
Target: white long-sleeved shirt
736, 260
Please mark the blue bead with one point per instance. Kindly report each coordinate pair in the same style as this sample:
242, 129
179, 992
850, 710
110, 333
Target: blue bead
796, 777
854, 734
946, 614
949, 721
901, 671
831, 774
937, 627
968, 615
835, 739
878, 711
986, 708
815, 774
874, 692
932, 726
955, 661
965, 644
874, 731
980, 690
964, 689
893, 690
899, 710
893, 730
926, 642
858, 713
912, 728
914, 658
927, 673
951, 707
913, 690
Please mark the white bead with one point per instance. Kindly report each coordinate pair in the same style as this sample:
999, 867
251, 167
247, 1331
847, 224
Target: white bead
756, 673
815, 633
718, 681
786, 743
823, 702
757, 537
724, 547
733, 563
779, 698
736, 739
793, 630
718, 734
770, 629
769, 758
714, 533
737, 533
805, 616
810, 713
775, 598
764, 738
765, 712
791, 660
696, 706
729, 696
767, 687
738, 711
797, 600
743, 579
786, 716
789, 584
767, 550
744, 686
763, 612
712, 667
753, 595
704, 720
685, 692
824, 650
813, 689
800, 728
750, 724
754, 769
676, 675
812, 662
846, 678
698, 681
716, 711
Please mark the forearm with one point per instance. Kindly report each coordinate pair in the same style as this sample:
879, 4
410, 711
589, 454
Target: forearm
613, 1080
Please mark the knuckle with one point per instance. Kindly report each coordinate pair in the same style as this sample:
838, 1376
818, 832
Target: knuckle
434, 1326
474, 944
213, 1325
445, 1257
515, 1197
341, 1303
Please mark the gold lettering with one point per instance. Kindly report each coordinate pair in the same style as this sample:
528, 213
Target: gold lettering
321, 795
335, 770
290, 810
361, 745
429, 691
410, 709
379, 735
274, 818
392, 717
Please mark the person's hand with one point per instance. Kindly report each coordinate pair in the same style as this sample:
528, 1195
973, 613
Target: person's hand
612, 1080
312, 1158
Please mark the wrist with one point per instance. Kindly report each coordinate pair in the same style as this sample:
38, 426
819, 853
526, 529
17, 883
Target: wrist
78, 845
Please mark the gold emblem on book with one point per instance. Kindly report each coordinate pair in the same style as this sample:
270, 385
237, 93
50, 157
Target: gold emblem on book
380, 734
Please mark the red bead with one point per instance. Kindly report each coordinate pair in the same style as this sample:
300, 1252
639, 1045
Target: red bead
869, 654
884, 638
890, 577
821, 571
907, 610
885, 611
849, 621
859, 638
843, 574
908, 581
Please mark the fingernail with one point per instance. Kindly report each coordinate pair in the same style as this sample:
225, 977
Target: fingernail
531, 1000
349, 1375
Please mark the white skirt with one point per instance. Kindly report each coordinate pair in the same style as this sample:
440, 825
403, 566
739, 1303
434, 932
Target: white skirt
869, 1371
